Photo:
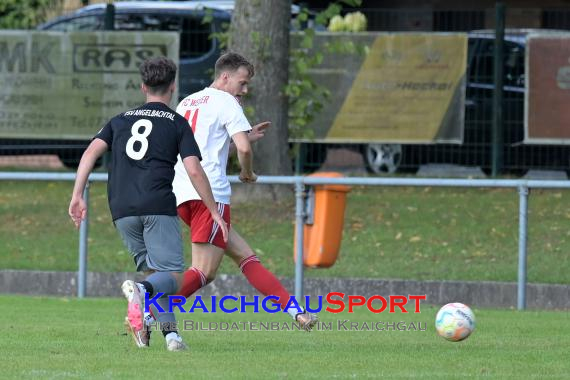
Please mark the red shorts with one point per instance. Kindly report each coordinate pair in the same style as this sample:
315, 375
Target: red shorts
203, 229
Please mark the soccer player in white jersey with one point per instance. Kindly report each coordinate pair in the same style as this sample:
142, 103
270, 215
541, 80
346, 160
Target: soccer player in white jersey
216, 117
145, 143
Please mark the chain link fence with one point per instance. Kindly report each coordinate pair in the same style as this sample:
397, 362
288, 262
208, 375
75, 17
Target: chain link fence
476, 149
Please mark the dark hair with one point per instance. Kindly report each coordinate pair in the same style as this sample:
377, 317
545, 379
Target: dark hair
158, 73
232, 62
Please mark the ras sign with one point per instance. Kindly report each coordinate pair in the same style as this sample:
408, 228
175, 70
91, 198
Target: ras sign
31, 56
111, 58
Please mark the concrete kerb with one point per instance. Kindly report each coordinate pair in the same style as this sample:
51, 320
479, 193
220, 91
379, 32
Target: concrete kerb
477, 294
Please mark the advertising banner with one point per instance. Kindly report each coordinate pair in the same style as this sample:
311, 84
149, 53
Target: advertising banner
408, 88
68, 85
547, 120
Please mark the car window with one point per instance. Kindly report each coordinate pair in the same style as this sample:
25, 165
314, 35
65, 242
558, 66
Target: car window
86, 23
471, 58
513, 69
195, 40
484, 62
194, 35
514, 64
149, 22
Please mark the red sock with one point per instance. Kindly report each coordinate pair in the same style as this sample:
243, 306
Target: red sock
263, 280
193, 280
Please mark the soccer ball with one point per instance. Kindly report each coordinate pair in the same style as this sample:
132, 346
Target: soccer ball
455, 322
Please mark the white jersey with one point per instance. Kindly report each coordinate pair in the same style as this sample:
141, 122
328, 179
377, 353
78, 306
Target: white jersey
214, 117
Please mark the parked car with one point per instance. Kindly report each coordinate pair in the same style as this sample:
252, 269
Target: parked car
198, 52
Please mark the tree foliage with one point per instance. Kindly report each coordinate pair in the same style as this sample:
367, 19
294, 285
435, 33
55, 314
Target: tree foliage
25, 14
307, 97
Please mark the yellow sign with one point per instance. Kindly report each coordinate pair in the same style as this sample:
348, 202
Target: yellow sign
68, 85
410, 88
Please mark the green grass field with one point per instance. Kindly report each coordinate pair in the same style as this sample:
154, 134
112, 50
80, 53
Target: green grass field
57, 338
407, 233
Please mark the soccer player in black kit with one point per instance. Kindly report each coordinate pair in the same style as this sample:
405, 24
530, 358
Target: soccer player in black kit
144, 143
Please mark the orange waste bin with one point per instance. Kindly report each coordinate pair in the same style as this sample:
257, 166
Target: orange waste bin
323, 227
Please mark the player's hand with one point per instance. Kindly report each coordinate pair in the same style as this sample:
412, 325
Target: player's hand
218, 219
258, 131
77, 210
247, 177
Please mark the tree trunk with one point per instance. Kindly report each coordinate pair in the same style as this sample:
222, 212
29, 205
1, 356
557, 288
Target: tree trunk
260, 32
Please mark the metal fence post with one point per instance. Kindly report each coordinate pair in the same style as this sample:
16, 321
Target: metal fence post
523, 212
83, 235
299, 238
498, 128
109, 18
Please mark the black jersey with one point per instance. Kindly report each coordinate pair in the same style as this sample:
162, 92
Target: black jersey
145, 143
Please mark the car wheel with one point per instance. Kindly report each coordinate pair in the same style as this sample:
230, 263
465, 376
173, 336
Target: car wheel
382, 158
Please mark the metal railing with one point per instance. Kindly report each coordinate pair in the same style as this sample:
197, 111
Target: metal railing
300, 182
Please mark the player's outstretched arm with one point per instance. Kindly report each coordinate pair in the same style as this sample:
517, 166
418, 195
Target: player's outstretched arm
245, 157
202, 185
257, 132
77, 206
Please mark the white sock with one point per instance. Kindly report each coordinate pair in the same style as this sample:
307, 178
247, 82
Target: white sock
293, 312
174, 336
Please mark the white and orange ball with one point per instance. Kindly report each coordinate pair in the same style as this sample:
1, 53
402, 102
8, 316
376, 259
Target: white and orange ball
455, 322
